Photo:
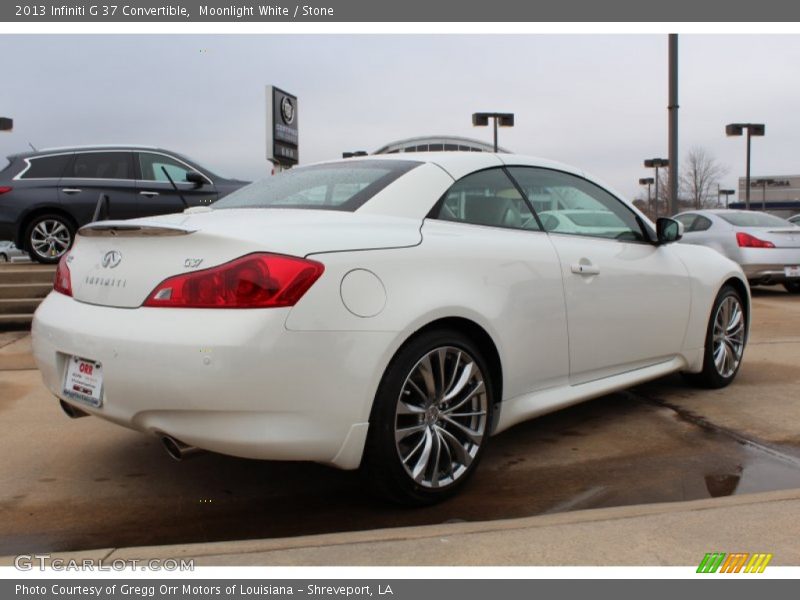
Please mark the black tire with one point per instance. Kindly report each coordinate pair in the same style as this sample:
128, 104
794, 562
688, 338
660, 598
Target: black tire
3, 258
48, 237
713, 376
386, 474
793, 287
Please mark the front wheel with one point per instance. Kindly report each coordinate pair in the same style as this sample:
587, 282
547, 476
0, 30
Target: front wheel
431, 419
725, 340
48, 237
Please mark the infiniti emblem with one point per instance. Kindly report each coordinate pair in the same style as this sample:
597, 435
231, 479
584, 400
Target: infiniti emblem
111, 259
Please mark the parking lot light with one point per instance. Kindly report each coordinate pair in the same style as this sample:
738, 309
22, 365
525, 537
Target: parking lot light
6, 124
737, 129
727, 194
481, 119
656, 163
648, 181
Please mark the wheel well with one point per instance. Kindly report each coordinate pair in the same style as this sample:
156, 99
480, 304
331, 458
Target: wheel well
740, 287
485, 344
20, 241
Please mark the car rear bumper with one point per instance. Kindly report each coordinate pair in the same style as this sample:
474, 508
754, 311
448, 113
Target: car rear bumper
230, 381
767, 265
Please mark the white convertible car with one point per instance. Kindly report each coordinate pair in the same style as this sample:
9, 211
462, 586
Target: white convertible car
389, 313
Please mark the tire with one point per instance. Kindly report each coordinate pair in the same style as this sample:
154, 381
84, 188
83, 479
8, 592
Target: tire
793, 287
3, 258
48, 237
452, 433
726, 338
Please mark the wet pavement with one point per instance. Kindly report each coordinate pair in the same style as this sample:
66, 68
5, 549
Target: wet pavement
69, 485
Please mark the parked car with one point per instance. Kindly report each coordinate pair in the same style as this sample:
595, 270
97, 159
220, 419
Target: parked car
794, 219
767, 247
384, 313
46, 195
10, 253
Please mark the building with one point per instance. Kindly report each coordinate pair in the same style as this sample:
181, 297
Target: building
438, 143
775, 194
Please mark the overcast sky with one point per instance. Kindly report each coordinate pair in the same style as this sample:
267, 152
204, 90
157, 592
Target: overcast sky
594, 101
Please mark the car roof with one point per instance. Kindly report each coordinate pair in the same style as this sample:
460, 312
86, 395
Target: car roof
458, 163
87, 148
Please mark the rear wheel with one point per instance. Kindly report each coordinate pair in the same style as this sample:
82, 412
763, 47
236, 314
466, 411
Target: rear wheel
3, 258
431, 419
48, 237
793, 287
725, 340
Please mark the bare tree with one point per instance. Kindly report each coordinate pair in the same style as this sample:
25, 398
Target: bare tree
700, 178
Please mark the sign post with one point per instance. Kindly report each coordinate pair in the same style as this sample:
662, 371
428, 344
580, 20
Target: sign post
282, 128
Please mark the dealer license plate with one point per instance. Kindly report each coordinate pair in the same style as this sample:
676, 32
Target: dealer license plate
84, 381
793, 271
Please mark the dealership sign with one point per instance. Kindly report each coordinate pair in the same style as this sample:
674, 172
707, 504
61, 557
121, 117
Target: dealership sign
282, 131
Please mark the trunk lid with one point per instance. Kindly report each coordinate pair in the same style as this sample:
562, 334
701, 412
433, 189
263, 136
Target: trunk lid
783, 237
118, 263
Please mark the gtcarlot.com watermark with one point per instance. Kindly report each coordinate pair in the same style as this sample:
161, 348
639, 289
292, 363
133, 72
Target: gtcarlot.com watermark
30, 562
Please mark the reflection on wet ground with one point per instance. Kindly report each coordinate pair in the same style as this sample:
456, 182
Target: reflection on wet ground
621, 449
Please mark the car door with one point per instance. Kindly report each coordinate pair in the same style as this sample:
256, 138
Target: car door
157, 196
627, 299
514, 277
91, 174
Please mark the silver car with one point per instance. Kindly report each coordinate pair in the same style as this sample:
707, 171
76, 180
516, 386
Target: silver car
10, 253
767, 247
795, 219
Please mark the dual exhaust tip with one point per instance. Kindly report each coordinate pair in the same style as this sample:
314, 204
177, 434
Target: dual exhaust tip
176, 449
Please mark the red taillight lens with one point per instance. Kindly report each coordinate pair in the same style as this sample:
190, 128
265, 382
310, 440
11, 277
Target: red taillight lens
745, 240
253, 281
4, 189
63, 283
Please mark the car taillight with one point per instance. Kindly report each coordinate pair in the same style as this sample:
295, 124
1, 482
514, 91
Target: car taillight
745, 240
253, 281
4, 189
63, 282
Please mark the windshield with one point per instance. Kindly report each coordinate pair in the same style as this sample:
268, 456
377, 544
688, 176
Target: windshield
754, 219
337, 186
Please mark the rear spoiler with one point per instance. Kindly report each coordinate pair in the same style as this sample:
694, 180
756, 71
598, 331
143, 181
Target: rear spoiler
128, 229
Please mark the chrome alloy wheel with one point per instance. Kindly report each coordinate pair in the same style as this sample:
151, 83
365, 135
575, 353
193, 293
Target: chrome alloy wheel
441, 417
50, 238
728, 336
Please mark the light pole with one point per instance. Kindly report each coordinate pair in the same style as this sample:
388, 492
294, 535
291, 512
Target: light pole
764, 183
6, 124
736, 129
656, 163
725, 193
481, 119
648, 181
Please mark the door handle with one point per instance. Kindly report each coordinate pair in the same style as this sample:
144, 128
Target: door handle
585, 269
71, 190
149, 194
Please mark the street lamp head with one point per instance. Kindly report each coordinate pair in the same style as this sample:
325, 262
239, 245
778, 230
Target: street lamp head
505, 119
6, 124
656, 163
727, 192
480, 119
733, 129
646, 181
757, 128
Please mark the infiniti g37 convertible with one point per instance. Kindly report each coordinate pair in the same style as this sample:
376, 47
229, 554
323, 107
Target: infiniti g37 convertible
387, 313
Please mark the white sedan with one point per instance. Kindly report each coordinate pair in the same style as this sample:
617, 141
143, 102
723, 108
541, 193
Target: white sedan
389, 313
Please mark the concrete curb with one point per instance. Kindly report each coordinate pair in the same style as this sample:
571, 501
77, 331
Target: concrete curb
677, 533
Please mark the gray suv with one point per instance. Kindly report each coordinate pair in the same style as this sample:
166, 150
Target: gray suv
46, 195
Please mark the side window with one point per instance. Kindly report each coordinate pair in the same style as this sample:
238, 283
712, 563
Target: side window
152, 167
687, 220
102, 165
577, 206
486, 198
46, 167
701, 223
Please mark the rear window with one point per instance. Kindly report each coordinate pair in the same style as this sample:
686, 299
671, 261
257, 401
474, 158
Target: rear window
338, 186
753, 219
46, 167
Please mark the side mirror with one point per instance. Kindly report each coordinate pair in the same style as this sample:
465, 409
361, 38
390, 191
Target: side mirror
195, 178
668, 230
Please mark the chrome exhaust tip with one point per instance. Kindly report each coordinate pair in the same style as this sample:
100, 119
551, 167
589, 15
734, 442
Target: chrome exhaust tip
72, 411
177, 450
